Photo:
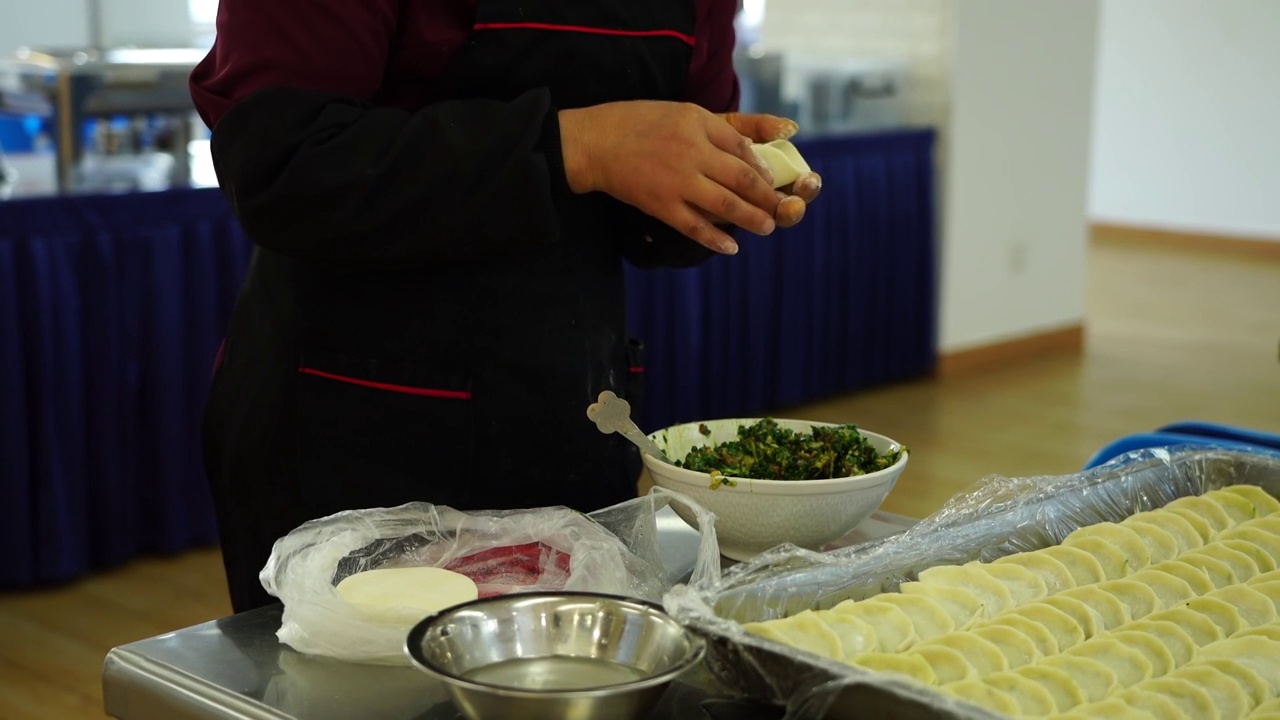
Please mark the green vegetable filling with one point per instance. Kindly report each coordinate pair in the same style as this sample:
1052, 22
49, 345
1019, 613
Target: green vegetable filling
768, 451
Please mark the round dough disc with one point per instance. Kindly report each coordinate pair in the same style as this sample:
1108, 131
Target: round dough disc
394, 595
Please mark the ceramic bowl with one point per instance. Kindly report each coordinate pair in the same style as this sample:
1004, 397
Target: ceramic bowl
756, 515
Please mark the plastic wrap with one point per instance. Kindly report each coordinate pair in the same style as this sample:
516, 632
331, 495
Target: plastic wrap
997, 517
613, 551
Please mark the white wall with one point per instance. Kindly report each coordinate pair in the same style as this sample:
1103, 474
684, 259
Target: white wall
1014, 213
66, 23
47, 23
1009, 83
1188, 116
154, 23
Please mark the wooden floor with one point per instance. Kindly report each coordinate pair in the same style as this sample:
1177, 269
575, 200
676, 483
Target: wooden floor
1171, 335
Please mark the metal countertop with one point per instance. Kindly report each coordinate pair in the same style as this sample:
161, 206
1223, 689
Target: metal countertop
235, 668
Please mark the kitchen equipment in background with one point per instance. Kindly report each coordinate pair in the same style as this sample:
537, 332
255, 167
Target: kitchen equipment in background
845, 94
117, 120
200, 155
825, 95
123, 154
28, 162
8, 177
760, 81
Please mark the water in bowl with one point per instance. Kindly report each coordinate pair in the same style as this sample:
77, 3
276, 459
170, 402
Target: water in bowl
555, 673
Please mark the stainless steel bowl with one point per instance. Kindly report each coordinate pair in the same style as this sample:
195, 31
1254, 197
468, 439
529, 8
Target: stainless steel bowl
567, 656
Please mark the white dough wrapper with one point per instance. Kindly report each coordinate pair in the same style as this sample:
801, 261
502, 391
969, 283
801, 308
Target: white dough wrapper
783, 160
395, 595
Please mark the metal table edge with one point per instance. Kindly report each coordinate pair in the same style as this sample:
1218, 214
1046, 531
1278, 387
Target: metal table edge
129, 678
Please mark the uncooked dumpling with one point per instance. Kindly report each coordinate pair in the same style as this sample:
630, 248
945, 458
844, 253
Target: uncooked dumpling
1263, 503
783, 160
927, 616
1238, 507
1128, 541
1055, 575
1206, 509
399, 595
948, 664
805, 631
1024, 585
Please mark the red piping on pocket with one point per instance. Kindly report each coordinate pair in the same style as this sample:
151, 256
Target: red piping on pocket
402, 389
687, 39
636, 369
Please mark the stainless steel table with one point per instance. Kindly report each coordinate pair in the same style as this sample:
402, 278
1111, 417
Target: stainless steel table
235, 668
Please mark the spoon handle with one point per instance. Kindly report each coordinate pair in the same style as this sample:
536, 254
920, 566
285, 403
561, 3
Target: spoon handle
612, 414
642, 441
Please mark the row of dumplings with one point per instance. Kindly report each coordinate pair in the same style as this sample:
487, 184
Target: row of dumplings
1231, 658
1116, 608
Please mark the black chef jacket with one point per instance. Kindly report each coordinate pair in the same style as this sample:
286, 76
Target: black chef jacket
429, 310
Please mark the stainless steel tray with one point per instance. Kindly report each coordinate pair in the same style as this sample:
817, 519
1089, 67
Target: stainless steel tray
999, 517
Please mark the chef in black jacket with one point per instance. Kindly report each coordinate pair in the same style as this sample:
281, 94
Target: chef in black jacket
442, 194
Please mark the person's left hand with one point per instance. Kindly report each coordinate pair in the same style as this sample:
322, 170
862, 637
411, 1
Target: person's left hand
794, 198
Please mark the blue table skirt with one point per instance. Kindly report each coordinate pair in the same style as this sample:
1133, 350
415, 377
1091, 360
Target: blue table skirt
112, 308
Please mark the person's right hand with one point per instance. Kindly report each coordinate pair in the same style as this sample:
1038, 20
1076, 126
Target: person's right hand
675, 161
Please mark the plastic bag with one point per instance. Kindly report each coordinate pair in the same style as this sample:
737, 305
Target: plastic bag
613, 551
999, 516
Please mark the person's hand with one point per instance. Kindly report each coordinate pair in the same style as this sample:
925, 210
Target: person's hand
794, 198
675, 161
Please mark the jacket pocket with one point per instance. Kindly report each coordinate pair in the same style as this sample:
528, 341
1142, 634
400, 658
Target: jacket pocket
377, 433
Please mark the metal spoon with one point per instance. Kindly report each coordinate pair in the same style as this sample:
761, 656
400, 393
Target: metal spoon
612, 414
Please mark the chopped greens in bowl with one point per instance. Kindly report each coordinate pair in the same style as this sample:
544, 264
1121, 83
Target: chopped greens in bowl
776, 480
767, 451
